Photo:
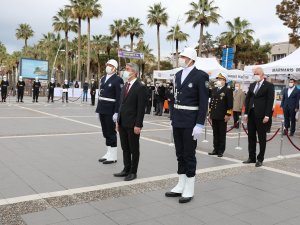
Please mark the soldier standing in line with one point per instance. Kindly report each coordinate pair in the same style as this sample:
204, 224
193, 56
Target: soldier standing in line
65, 87
36, 89
4, 85
220, 110
188, 118
51, 87
20, 89
93, 91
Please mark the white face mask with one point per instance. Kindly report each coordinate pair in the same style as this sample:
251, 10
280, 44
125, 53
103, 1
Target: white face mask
4, 79
20, 79
36, 79
109, 70
52, 80
219, 83
237, 88
291, 85
256, 77
181, 63
126, 76
66, 82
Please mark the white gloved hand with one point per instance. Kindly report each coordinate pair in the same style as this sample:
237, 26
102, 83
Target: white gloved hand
197, 131
115, 117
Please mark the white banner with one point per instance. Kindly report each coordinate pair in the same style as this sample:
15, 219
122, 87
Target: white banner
165, 74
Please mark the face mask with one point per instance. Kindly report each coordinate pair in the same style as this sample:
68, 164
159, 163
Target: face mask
52, 80
182, 63
92, 82
109, 70
66, 82
20, 79
219, 83
36, 79
4, 79
291, 85
237, 88
256, 77
126, 76
148, 85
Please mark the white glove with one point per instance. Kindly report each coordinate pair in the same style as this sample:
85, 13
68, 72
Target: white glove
115, 117
197, 132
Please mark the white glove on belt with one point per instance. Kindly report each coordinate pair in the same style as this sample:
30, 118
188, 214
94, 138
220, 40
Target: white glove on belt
197, 131
115, 117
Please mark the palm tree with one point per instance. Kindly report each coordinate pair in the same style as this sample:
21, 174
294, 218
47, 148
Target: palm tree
63, 22
175, 34
108, 43
133, 28
148, 56
204, 13
238, 33
91, 10
157, 16
25, 32
77, 12
117, 30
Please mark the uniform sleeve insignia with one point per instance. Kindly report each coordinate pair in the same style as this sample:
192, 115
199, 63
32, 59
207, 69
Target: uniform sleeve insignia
190, 85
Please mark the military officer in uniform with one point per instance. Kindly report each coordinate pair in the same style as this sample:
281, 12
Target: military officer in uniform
4, 85
51, 87
36, 89
108, 108
93, 91
188, 117
220, 110
20, 89
65, 87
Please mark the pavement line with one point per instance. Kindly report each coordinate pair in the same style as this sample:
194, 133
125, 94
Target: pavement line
26, 117
157, 124
49, 135
40, 196
281, 171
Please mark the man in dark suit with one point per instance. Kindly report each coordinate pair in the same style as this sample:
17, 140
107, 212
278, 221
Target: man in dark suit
258, 110
220, 110
108, 107
290, 106
188, 117
130, 121
93, 91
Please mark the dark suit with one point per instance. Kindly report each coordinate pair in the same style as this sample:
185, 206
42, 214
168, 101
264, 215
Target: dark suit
257, 106
20, 88
36, 90
51, 87
93, 93
221, 104
108, 105
4, 85
289, 104
193, 92
131, 114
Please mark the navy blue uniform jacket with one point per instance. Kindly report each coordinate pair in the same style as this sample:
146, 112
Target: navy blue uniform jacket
291, 102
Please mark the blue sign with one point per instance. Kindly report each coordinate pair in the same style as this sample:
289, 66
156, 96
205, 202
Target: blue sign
131, 55
227, 57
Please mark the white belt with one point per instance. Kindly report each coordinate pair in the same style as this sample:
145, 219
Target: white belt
107, 99
186, 107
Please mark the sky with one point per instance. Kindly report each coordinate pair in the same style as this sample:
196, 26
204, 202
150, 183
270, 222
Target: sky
38, 14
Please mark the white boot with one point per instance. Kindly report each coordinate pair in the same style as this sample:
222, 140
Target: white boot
178, 189
113, 156
104, 158
188, 191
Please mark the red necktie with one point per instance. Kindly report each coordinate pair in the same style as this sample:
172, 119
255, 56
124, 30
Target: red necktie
127, 89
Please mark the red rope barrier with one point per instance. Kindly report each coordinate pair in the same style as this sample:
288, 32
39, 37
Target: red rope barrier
75, 99
270, 139
286, 132
230, 129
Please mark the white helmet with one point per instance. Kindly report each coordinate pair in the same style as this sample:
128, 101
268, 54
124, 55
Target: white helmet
190, 53
36, 79
52, 79
20, 78
66, 81
113, 63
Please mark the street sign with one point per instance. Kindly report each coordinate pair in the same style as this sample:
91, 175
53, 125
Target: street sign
131, 55
227, 58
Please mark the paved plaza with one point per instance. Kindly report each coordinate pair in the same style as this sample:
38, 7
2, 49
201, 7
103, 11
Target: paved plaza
50, 174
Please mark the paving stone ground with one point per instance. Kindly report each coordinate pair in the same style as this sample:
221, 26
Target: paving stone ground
49, 174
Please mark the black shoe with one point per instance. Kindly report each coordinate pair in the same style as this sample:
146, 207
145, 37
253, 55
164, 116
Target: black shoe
102, 160
291, 134
121, 174
249, 161
172, 194
22, 101
36, 101
130, 177
33, 101
185, 200
220, 155
213, 153
258, 164
109, 161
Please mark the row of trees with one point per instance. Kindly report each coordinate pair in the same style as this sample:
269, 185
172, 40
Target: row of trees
91, 53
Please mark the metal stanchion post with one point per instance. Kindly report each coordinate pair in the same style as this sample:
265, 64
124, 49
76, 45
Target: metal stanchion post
205, 131
281, 141
239, 135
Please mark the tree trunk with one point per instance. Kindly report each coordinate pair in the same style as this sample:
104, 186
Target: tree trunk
200, 40
25, 44
88, 51
131, 44
119, 59
176, 53
67, 57
158, 48
79, 47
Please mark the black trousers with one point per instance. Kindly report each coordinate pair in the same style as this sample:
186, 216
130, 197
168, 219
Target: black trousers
36, 94
148, 107
219, 134
108, 129
20, 95
289, 119
93, 99
185, 147
236, 116
50, 95
256, 126
159, 108
65, 95
3, 94
130, 143
269, 124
